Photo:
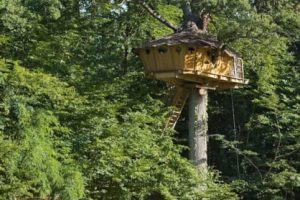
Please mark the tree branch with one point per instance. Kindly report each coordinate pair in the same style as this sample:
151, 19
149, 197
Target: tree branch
156, 15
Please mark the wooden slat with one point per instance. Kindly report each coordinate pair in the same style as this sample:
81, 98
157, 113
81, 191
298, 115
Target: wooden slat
163, 60
177, 54
200, 58
189, 58
149, 59
203, 62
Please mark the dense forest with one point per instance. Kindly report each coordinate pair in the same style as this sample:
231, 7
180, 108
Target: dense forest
79, 120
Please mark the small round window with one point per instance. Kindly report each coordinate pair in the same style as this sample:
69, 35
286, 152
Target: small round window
178, 50
162, 51
191, 49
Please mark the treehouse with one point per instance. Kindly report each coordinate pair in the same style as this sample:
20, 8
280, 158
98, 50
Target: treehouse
192, 58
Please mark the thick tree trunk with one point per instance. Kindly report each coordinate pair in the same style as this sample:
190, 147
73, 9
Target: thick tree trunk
194, 22
198, 129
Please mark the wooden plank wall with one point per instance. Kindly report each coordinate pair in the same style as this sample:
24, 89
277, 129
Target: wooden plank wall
190, 57
200, 61
148, 59
162, 59
177, 56
223, 65
183, 57
203, 63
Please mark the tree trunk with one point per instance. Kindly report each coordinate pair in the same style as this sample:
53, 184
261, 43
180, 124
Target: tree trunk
198, 129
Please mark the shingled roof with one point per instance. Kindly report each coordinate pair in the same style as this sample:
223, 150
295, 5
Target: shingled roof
190, 38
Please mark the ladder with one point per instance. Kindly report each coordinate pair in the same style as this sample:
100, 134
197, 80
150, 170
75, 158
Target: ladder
180, 95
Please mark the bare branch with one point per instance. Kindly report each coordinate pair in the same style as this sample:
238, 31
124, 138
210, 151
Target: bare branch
156, 15
122, 3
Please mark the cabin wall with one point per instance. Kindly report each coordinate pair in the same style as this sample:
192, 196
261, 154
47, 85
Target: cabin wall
201, 60
148, 60
162, 59
223, 65
191, 58
203, 63
178, 53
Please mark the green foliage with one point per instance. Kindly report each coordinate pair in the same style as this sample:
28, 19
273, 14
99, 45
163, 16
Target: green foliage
263, 147
172, 13
78, 119
35, 160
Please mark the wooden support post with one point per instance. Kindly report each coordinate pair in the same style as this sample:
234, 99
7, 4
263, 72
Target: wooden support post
198, 129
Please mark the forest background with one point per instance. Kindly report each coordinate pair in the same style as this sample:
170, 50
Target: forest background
78, 119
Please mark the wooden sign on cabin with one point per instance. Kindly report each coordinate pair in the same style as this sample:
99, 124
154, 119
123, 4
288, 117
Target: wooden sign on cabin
189, 57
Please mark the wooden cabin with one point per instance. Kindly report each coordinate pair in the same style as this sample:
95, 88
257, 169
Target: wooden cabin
191, 58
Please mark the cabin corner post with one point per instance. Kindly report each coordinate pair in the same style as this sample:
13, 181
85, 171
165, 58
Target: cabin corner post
198, 129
